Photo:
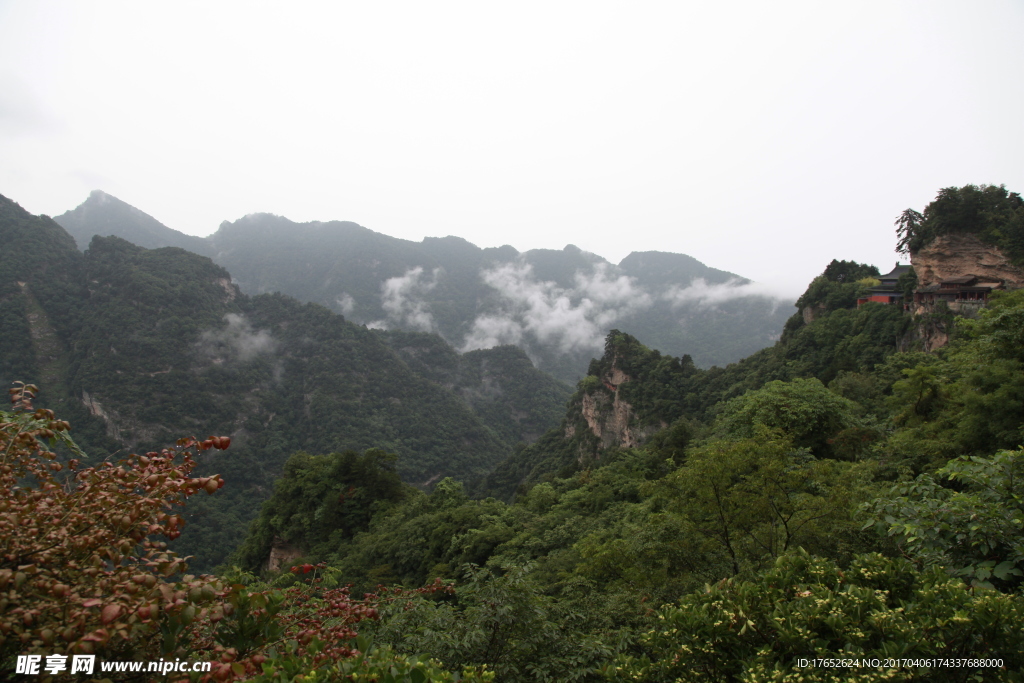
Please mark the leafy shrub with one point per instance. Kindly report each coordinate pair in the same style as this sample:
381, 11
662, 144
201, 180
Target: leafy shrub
806, 608
969, 516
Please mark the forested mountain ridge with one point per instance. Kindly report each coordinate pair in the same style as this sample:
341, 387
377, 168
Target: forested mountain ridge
555, 304
842, 496
501, 384
842, 493
139, 347
633, 391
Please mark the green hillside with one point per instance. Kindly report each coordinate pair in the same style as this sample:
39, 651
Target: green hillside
836, 496
501, 384
840, 506
139, 347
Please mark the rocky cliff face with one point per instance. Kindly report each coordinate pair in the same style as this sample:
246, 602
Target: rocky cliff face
281, 554
949, 256
927, 334
811, 313
610, 418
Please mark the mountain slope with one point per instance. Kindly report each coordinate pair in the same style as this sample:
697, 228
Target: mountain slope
145, 346
506, 391
557, 305
634, 391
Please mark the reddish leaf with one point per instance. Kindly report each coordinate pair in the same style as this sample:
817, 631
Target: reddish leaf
109, 614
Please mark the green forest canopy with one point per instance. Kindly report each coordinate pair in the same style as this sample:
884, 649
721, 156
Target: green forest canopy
839, 495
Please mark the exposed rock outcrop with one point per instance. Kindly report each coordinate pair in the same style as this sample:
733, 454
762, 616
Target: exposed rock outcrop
46, 344
281, 553
126, 429
927, 334
610, 418
810, 313
95, 408
959, 270
230, 290
949, 256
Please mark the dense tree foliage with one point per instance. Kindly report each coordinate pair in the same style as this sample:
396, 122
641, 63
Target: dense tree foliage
320, 499
802, 409
815, 488
968, 516
501, 621
838, 287
840, 496
136, 346
805, 608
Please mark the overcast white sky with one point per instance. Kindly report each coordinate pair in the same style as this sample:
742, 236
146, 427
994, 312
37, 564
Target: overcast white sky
765, 138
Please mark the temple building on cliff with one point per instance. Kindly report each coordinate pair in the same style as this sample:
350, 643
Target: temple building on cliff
887, 291
961, 294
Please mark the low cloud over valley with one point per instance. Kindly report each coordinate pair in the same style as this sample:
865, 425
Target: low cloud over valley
404, 301
237, 341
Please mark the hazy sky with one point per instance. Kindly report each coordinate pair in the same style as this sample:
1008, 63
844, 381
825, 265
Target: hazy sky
765, 138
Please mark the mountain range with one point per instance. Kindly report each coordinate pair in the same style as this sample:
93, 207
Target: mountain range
326, 337
557, 305
138, 347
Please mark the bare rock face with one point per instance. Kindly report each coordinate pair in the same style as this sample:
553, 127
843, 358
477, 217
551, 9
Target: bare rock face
610, 418
949, 256
230, 290
933, 338
810, 313
281, 553
926, 335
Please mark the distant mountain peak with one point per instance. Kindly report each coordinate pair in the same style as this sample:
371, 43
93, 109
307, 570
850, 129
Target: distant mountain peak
99, 198
105, 215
